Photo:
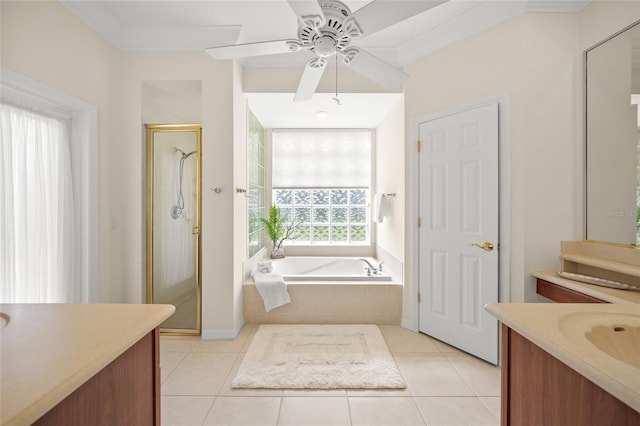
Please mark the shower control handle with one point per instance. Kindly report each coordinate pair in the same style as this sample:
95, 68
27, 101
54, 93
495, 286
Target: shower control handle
195, 230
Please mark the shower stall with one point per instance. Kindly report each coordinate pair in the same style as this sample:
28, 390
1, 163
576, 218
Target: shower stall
173, 223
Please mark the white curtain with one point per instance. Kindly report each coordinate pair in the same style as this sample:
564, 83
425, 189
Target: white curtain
37, 257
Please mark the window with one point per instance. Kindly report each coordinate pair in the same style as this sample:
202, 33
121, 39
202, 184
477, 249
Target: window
321, 179
256, 183
40, 107
37, 224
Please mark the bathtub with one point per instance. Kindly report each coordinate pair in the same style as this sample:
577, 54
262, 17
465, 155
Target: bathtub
307, 268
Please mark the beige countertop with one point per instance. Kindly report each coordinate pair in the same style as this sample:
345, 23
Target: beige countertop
611, 295
558, 328
47, 351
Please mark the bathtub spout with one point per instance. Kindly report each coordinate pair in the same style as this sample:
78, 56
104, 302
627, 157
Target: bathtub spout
369, 268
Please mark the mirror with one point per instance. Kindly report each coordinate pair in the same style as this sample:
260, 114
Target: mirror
173, 223
613, 139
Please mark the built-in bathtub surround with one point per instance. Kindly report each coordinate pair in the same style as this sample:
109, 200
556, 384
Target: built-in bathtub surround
329, 303
336, 290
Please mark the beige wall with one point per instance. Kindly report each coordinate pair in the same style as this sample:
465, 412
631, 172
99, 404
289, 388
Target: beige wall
536, 61
217, 233
603, 18
81, 63
44, 41
390, 179
240, 203
532, 61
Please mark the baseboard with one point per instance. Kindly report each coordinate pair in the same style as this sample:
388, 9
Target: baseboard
409, 325
223, 334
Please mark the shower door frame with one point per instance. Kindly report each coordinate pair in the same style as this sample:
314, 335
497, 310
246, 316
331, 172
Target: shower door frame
151, 129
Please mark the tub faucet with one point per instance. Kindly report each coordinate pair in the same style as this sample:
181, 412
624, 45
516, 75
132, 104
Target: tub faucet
369, 268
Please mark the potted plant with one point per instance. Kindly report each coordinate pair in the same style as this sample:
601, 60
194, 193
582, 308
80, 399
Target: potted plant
278, 229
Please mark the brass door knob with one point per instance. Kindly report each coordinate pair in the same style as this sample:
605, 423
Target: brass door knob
486, 246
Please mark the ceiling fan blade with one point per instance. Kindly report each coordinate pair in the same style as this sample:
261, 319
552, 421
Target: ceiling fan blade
377, 70
310, 78
250, 49
306, 8
380, 14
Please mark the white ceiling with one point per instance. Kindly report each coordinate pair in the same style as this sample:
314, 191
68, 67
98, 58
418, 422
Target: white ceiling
356, 110
148, 25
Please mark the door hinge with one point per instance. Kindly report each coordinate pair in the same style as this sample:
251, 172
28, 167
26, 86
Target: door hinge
418, 145
419, 222
419, 298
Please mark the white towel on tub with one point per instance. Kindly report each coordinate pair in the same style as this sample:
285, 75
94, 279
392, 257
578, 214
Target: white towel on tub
272, 289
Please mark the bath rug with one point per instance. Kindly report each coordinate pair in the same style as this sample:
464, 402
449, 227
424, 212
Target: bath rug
318, 357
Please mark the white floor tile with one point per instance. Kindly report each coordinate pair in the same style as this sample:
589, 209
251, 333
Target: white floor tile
483, 377
178, 343
168, 362
244, 411
455, 411
385, 411
199, 373
445, 386
432, 375
314, 411
493, 405
184, 410
399, 339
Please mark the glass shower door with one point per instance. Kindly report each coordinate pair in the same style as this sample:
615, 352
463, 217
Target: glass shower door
173, 223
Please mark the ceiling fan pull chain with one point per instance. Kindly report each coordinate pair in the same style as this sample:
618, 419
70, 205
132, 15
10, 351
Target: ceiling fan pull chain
336, 99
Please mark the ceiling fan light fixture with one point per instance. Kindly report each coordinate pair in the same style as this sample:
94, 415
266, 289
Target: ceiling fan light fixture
325, 46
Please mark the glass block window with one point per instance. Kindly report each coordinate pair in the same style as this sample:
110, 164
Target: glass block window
256, 183
321, 180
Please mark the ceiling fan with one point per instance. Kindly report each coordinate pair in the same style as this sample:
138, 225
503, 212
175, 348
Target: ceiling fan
327, 28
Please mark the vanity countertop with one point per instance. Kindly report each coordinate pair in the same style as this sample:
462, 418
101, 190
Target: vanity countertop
49, 350
558, 328
611, 295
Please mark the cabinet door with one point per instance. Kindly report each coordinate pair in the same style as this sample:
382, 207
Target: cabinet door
125, 392
538, 389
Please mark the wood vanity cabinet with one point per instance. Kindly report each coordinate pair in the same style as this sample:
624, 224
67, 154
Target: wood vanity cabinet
561, 294
125, 392
538, 389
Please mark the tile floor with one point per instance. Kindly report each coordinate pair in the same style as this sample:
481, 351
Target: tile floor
444, 387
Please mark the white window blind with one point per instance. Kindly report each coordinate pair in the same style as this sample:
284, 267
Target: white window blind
321, 158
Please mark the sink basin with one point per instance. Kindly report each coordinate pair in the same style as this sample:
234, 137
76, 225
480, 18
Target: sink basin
4, 320
619, 341
615, 334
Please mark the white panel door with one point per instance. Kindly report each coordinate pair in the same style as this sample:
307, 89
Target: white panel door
458, 235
